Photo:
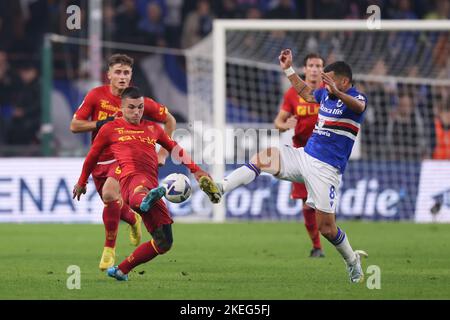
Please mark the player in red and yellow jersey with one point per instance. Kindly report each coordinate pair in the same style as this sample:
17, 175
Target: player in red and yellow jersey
132, 142
296, 113
101, 105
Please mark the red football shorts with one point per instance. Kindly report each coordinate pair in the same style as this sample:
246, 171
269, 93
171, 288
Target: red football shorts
298, 191
158, 213
102, 172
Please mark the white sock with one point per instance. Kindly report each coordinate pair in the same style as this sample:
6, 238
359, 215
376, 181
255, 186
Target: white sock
343, 246
240, 176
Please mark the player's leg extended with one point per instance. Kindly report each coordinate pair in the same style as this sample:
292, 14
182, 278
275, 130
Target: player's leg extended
267, 160
328, 228
311, 226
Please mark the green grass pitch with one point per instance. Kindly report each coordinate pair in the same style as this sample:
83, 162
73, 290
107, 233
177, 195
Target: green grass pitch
227, 261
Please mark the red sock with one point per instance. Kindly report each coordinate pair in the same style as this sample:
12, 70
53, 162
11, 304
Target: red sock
144, 253
111, 218
311, 225
127, 215
135, 201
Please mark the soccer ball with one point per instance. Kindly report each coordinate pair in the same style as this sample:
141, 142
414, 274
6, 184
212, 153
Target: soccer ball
178, 187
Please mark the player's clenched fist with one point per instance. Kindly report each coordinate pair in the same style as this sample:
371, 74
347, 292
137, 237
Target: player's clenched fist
78, 191
285, 58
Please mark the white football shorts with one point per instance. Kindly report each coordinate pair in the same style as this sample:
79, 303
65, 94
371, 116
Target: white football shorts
321, 179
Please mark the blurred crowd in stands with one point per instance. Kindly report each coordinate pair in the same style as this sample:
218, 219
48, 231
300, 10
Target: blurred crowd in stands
181, 24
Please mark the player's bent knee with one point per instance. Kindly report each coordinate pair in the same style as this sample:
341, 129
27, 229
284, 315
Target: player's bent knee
164, 246
268, 160
109, 196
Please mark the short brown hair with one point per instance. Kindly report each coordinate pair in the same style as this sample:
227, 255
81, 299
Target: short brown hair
120, 59
313, 56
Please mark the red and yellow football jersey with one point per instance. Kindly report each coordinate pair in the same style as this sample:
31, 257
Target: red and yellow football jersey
134, 147
100, 103
306, 114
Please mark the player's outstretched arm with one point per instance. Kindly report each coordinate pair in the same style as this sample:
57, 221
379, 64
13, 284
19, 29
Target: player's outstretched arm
300, 86
169, 128
181, 155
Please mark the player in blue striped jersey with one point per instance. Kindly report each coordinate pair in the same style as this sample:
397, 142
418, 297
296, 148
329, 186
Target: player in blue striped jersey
321, 163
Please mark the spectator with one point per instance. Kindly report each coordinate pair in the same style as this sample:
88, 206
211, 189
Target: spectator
35, 23
5, 93
404, 10
10, 22
381, 96
354, 11
25, 121
228, 9
174, 22
441, 10
262, 5
109, 23
126, 21
405, 131
198, 24
442, 128
253, 13
284, 10
330, 9
6, 80
441, 51
152, 27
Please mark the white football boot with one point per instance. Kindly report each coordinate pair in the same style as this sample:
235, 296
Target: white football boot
355, 270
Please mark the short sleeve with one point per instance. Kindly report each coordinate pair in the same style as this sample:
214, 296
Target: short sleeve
318, 94
359, 96
86, 108
154, 110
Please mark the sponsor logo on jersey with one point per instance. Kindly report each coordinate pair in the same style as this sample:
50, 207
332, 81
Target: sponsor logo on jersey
105, 104
307, 109
330, 110
123, 131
